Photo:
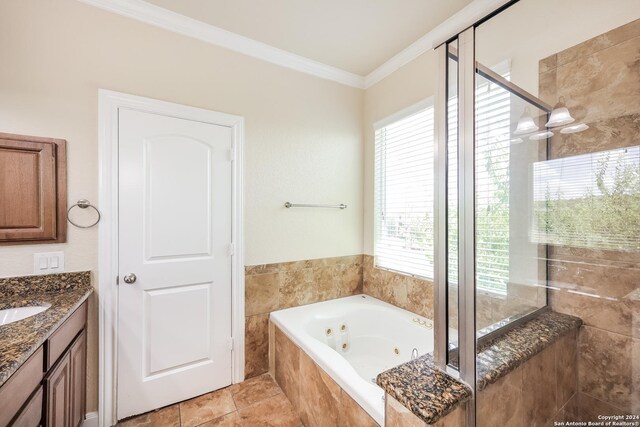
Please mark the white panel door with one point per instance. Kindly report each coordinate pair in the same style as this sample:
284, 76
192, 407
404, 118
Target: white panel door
174, 320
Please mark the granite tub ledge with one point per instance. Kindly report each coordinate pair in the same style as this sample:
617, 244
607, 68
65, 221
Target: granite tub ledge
430, 393
503, 354
427, 391
64, 293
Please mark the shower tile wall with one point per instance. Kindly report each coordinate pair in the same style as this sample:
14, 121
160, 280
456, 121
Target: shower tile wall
271, 287
600, 80
537, 393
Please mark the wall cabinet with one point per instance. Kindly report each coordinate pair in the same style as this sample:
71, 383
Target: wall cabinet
33, 189
49, 389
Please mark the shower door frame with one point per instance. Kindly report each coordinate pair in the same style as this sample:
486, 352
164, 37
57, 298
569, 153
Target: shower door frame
466, 210
467, 330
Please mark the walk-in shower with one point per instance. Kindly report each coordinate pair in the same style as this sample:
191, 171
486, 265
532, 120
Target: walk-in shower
538, 210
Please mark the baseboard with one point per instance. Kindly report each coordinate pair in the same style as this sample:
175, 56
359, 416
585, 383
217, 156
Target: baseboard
90, 420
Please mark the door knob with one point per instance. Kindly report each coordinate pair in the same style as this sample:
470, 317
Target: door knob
130, 278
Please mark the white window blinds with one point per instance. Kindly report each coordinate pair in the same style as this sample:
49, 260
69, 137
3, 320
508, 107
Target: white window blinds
404, 194
493, 122
492, 185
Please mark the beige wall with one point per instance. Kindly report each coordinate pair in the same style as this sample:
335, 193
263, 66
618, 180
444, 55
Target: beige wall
303, 134
409, 85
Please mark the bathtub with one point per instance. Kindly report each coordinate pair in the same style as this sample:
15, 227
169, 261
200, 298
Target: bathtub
353, 339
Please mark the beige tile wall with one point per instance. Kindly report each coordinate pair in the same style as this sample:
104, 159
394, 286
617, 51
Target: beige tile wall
396, 415
536, 393
600, 80
319, 401
271, 287
410, 293
416, 295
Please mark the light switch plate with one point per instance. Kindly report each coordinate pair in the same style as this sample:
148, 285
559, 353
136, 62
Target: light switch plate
48, 262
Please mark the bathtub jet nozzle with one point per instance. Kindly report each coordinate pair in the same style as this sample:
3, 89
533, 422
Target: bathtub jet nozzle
414, 353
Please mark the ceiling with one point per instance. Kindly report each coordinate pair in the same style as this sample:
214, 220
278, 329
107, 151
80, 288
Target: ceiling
353, 35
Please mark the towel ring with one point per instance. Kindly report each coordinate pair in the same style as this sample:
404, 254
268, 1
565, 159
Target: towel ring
83, 204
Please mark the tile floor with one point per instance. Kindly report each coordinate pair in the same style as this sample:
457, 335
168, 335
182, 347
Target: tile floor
257, 402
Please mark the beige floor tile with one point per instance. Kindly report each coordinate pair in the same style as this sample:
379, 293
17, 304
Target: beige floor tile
206, 408
275, 411
253, 390
165, 417
229, 420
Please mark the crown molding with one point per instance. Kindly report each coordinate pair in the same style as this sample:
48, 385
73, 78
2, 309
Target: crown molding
168, 20
458, 22
172, 21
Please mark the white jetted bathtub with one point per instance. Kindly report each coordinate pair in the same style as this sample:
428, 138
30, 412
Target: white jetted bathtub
354, 339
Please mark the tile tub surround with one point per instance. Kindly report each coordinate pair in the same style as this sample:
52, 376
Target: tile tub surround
600, 80
398, 415
417, 295
19, 340
271, 287
318, 400
411, 293
425, 390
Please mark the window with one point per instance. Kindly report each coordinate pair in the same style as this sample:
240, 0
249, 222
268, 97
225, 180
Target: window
589, 200
493, 130
404, 147
404, 189
493, 114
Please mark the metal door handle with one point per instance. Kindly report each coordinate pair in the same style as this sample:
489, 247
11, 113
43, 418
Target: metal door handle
130, 278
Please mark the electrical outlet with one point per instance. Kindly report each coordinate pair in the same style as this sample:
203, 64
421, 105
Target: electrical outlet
48, 262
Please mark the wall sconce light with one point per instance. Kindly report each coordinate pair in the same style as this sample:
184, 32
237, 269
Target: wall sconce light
560, 115
541, 135
525, 124
579, 127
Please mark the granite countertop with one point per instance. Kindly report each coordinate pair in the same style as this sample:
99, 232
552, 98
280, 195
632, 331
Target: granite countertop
424, 389
65, 292
431, 393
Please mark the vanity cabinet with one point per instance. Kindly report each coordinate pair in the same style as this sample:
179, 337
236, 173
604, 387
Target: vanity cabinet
65, 386
49, 389
77, 389
58, 390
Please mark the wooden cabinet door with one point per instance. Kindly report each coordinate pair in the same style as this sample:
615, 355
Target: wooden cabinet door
78, 357
31, 414
32, 189
57, 385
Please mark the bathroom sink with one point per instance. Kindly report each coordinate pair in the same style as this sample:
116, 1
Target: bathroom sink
11, 315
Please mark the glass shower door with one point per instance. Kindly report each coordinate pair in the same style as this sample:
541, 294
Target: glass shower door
557, 211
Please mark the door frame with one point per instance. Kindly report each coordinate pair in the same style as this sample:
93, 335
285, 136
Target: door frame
109, 102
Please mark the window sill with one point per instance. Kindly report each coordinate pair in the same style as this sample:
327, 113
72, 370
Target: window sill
403, 273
